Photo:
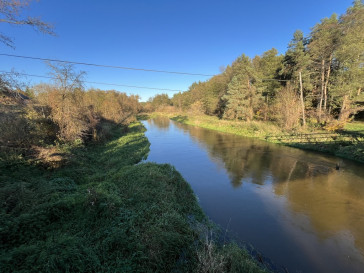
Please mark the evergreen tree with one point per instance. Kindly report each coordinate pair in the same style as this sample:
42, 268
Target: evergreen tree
349, 77
242, 98
214, 89
267, 68
296, 62
322, 47
237, 100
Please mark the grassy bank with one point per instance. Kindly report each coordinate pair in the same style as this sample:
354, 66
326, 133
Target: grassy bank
102, 212
252, 129
263, 130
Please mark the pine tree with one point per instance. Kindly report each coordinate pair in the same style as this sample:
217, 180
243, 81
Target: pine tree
349, 57
322, 47
267, 67
296, 62
241, 99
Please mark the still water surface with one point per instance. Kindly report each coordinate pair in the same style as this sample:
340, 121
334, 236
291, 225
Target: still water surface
291, 205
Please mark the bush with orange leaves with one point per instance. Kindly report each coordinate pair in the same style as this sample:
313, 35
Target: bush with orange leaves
78, 113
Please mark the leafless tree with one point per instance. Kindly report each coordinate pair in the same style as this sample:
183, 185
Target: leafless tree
65, 77
11, 13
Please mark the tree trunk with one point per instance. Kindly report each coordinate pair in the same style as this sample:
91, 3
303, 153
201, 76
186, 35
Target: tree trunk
250, 101
347, 109
330, 107
302, 101
322, 88
327, 82
266, 109
344, 113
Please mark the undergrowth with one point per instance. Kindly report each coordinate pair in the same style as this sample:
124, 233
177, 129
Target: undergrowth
256, 129
102, 212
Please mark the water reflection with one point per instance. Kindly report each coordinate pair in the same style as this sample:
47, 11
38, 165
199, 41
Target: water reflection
333, 203
161, 123
250, 158
296, 207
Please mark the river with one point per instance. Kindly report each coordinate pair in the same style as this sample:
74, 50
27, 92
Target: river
292, 205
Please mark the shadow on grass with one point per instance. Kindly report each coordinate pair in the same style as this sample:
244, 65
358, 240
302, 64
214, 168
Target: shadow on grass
143, 116
349, 150
180, 118
341, 143
98, 213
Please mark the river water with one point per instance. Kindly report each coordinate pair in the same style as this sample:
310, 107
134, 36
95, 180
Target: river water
292, 205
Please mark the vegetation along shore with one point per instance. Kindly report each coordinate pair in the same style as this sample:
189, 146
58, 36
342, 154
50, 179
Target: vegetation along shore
76, 194
347, 143
78, 198
305, 98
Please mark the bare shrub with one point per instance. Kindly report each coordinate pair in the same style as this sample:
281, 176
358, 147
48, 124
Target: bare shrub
209, 258
23, 126
14, 130
78, 113
62, 110
287, 109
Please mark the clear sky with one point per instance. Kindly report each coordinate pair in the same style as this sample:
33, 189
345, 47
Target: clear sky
188, 36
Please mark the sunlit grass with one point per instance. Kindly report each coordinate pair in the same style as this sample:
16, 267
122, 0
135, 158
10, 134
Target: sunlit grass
263, 130
355, 126
249, 129
102, 212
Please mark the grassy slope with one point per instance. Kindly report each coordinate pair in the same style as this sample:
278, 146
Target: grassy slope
104, 213
355, 126
249, 129
262, 129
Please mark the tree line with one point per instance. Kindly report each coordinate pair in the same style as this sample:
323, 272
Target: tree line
319, 80
60, 112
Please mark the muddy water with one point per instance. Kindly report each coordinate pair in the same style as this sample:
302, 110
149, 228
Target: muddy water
291, 205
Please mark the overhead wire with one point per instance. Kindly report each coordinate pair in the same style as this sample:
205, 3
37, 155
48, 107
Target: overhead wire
107, 66
91, 82
120, 67
111, 66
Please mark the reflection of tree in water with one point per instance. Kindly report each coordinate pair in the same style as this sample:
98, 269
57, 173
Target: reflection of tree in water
333, 202
241, 157
256, 161
160, 122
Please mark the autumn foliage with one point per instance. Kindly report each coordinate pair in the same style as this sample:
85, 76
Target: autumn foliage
79, 113
60, 112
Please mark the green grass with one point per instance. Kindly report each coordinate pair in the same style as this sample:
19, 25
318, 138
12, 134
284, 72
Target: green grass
355, 126
103, 212
260, 130
256, 129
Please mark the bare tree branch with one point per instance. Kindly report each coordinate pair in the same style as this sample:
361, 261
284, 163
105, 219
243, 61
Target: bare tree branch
65, 77
10, 13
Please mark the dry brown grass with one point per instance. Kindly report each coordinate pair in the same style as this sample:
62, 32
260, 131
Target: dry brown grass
210, 260
50, 157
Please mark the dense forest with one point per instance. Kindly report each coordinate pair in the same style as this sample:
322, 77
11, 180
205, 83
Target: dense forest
318, 81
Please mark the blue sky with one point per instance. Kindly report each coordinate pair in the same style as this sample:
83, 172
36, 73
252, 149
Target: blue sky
189, 36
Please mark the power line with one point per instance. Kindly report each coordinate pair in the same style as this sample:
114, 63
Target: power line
121, 67
108, 66
104, 83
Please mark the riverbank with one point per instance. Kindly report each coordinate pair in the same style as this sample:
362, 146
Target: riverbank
264, 131
104, 212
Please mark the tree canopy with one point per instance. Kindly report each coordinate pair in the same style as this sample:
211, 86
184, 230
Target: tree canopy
324, 70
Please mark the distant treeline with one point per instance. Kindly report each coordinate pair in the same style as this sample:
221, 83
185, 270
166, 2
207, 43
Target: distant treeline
318, 81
